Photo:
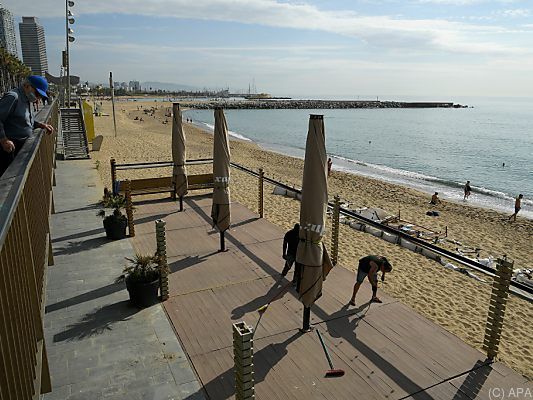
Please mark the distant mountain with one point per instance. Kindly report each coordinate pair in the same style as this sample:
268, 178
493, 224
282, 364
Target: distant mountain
172, 87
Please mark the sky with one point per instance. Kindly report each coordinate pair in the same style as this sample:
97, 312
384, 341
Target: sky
439, 49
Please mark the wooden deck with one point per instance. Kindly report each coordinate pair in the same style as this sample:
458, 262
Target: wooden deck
387, 350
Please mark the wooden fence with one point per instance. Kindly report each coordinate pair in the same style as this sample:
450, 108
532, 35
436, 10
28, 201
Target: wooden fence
25, 251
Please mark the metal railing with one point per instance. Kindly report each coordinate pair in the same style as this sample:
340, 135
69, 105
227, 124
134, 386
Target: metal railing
25, 251
517, 288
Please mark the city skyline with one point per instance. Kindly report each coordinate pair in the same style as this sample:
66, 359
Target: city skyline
438, 48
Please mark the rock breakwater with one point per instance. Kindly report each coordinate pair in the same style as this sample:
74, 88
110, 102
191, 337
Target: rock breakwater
313, 104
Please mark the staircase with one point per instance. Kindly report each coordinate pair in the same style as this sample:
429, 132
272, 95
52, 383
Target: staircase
72, 140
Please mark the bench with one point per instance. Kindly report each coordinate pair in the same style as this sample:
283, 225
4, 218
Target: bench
164, 185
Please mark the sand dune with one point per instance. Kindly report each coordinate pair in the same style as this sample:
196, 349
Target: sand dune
450, 299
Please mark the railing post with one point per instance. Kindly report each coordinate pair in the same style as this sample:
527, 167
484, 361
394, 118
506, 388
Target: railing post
243, 351
113, 175
50, 251
261, 196
161, 243
335, 230
497, 305
129, 208
52, 204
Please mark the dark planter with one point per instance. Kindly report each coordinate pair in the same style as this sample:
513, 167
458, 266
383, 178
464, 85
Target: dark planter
115, 227
143, 294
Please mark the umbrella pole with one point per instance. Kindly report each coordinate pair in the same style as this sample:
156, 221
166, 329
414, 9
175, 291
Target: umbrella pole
181, 203
306, 326
222, 243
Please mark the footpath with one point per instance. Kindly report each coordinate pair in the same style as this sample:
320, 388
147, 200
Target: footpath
98, 345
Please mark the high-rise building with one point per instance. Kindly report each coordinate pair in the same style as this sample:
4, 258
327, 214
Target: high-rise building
8, 39
135, 86
33, 45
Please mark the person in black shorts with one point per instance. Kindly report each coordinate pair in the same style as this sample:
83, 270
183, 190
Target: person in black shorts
517, 206
369, 267
290, 245
468, 189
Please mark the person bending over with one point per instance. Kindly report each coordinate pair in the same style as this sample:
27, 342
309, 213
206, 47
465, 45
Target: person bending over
369, 267
17, 120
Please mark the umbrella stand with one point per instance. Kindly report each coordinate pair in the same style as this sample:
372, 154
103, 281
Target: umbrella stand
306, 326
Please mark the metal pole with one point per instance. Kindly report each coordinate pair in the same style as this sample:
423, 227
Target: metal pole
222, 242
261, 196
68, 54
113, 101
335, 231
306, 326
181, 203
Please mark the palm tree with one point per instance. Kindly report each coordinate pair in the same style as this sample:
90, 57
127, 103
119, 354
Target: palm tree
12, 71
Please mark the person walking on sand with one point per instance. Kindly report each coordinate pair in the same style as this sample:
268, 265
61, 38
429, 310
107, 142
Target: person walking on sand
290, 245
468, 189
369, 267
330, 163
435, 199
517, 206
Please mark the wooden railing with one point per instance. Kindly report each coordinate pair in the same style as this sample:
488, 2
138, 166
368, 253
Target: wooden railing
25, 251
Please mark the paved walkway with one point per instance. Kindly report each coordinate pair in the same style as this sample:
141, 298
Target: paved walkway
100, 347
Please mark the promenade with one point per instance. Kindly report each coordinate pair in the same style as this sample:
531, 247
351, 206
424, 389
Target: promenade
99, 346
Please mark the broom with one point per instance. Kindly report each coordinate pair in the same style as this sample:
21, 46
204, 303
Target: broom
331, 372
261, 310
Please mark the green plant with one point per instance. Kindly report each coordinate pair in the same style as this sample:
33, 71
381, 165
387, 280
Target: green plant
143, 268
97, 164
116, 202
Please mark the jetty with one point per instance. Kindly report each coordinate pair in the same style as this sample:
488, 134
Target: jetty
267, 104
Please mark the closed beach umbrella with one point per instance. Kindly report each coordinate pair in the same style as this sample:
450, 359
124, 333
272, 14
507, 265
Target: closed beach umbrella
311, 254
179, 154
220, 211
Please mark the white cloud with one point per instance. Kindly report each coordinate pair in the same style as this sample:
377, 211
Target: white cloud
518, 12
379, 31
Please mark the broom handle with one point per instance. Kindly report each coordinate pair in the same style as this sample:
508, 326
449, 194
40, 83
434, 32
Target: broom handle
325, 349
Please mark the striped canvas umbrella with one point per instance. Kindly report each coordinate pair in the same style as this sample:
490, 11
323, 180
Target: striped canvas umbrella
179, 154
311, 255
220, 211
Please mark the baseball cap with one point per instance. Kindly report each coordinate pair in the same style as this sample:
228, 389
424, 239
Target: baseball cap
40, 84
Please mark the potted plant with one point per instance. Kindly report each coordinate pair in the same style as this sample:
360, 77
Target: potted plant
142, 276
116, 223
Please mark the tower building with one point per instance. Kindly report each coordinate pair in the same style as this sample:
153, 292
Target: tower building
33, 45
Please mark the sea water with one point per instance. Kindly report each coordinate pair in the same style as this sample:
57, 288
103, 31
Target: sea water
430, 150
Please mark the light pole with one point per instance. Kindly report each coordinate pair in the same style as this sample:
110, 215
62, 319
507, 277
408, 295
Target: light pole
69, 19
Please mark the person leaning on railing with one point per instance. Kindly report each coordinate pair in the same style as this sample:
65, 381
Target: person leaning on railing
17, 120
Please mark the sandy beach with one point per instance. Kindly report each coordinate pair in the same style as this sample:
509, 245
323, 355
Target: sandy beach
448, 298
